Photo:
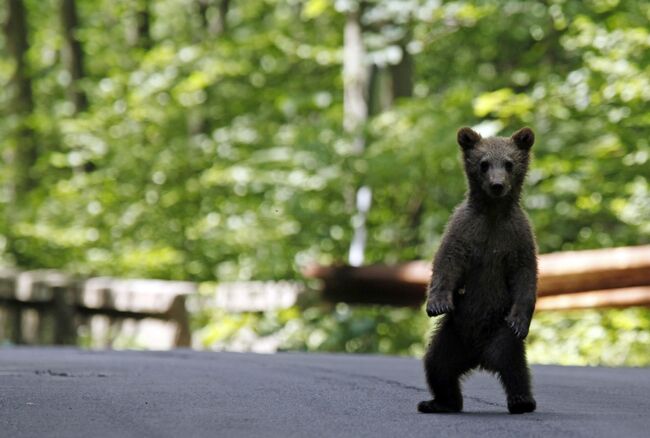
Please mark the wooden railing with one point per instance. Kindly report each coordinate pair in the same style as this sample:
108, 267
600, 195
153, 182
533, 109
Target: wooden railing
614, 277
49, 307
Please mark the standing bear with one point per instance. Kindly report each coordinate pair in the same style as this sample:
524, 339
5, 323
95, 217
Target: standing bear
484, 277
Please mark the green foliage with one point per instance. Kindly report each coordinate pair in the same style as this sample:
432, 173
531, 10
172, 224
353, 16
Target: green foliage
325, 328
222, 156
579, 337
591, 337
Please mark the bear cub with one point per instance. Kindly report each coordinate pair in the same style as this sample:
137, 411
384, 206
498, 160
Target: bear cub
484, 277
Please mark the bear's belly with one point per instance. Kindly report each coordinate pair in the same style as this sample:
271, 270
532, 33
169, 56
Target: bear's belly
485, 300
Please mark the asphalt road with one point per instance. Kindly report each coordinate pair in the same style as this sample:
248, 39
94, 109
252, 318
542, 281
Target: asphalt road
73, 393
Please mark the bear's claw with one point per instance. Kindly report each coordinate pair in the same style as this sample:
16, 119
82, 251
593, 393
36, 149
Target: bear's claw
519, 327
439, 303
439, 310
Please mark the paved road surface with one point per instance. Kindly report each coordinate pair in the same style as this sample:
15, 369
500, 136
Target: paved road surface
72, 393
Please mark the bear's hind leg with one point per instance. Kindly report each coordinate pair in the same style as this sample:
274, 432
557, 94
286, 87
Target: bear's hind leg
506, 356
445, 362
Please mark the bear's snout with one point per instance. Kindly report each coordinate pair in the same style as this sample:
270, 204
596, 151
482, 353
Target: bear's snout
497, 188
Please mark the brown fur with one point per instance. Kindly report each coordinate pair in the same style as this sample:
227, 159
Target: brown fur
484, 277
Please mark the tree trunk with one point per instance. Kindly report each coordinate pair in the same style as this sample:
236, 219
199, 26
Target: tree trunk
402, 75
22, 156
73, 54
143, 25
213, 15
380, 90
221, 26
356, 79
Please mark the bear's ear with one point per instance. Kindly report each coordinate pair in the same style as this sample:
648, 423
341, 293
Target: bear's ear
467, 138
524, 138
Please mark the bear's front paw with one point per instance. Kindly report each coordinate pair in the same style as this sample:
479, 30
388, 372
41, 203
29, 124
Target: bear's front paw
439, 302
518, 325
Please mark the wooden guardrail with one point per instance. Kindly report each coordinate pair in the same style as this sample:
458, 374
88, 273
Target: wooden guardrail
49, 307
614, 277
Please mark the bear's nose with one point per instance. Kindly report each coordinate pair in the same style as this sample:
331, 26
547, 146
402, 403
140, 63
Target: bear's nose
497, 188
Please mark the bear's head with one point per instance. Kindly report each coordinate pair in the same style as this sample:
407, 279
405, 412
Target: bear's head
496, 166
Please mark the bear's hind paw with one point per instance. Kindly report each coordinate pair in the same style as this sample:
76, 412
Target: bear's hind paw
521, 404
434, 407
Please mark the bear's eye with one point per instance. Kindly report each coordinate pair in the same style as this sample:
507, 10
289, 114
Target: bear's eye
484, 166
509, 166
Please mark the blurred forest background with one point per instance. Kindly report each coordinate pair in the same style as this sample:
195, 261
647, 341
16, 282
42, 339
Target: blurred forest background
204, 140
